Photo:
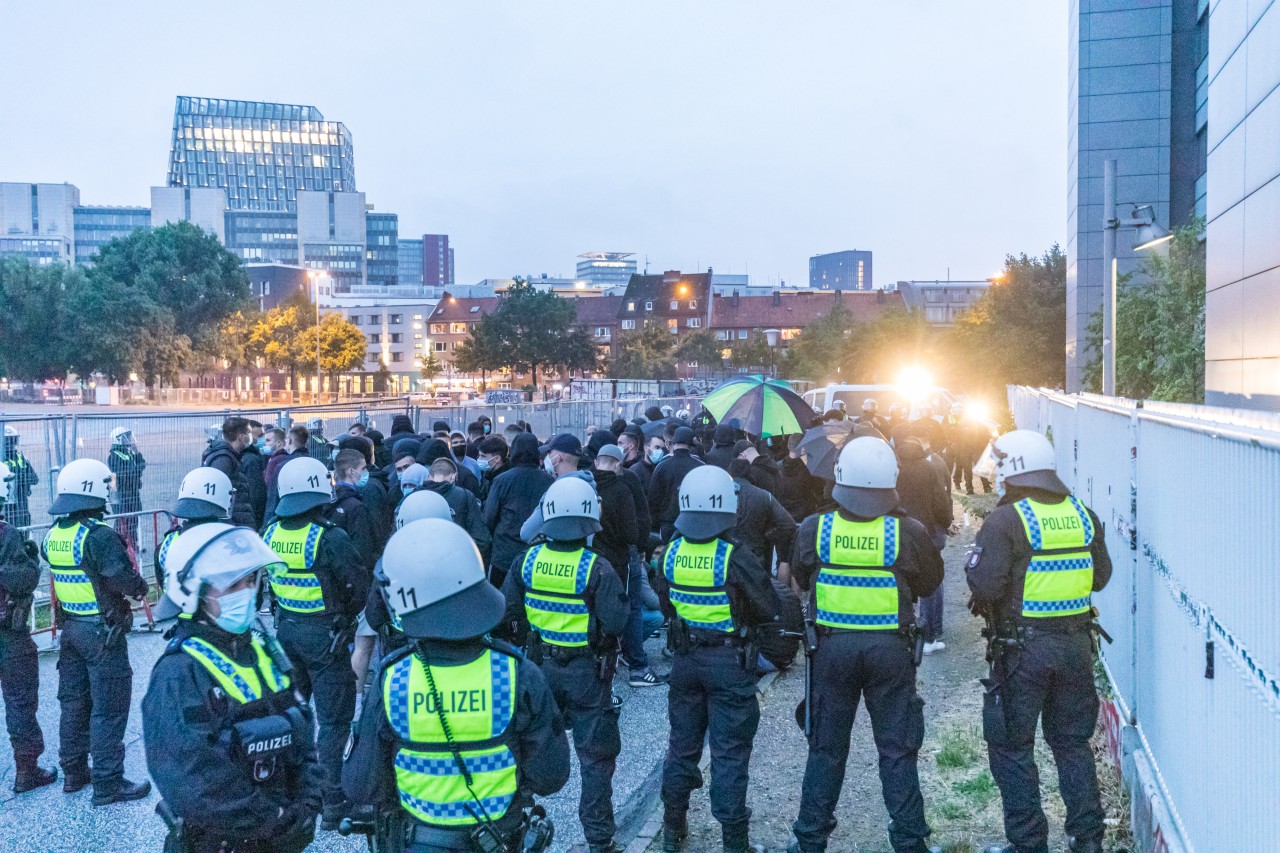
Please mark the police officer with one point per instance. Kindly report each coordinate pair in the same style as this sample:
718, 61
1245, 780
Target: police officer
19, 666
92, 578
460, 731
24, 476
127, 463
1035, 562
319, 598
317, 444
229, 743
719, 592
573, 601
204, 495
865, 564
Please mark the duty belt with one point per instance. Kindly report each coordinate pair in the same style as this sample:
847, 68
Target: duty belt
712, 639
566, 653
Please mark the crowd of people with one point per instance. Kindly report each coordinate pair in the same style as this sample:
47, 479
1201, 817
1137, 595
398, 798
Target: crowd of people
448, 603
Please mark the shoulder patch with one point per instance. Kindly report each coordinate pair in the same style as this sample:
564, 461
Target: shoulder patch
975, 557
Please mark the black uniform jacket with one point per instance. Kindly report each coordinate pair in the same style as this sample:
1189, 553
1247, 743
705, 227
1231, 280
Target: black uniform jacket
918, 569
604, 596
19, 569
189, 748
535, 735
997, 568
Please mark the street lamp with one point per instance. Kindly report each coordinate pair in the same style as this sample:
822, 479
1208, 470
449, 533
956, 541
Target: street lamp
771, 337
1149, 234
314, 275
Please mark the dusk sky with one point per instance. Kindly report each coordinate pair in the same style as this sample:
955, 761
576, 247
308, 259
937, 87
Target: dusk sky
746, 136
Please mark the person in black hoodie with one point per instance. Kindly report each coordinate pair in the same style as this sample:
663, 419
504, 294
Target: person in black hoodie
761, 473
381, 452
253, 466
799, 491
466, 509
440, 449
618, 522
721, 452
924, 496
224, 455
373, 492
512, 497
664, 488
763, 525
491, 456
348, 510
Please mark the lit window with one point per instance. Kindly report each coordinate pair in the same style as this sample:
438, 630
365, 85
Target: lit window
673, 325
693, 304
458, 328
439, 328
418, 337
631, 306
694, 322
628, 325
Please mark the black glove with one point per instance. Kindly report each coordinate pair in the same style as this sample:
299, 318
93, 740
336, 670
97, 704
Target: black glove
33, 550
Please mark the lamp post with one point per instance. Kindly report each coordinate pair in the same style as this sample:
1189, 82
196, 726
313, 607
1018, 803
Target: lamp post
771, 337
1149, 234
314, 275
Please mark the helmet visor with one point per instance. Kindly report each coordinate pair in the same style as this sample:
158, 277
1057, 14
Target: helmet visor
233, 555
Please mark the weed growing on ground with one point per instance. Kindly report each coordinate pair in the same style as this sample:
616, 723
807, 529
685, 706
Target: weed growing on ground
958, 747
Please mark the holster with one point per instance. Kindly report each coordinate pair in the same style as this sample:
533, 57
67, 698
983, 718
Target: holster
176, 840
750, 653
535, 650
678, 639
17, 613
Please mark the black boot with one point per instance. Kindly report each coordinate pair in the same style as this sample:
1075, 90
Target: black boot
29, 775
332, 814
737, 840
675, 828
75, 778
122, 791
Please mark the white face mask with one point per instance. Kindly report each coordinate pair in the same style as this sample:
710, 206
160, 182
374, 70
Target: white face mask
549, 465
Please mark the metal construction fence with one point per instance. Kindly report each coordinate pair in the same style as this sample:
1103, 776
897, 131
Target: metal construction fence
1190, 496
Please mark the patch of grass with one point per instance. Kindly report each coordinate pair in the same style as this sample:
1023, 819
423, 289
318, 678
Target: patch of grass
978, 505
979, 790
957, 748
952, 810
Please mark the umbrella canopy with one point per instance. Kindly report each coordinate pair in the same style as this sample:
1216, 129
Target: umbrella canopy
762, 406
821, 445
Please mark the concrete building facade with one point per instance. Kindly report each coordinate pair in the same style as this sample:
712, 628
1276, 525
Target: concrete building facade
941, 301
37, 221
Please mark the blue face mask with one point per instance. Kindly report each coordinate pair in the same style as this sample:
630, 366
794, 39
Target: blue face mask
261, 444
483, 463
655, 455
364, 479
407, 488
238, 610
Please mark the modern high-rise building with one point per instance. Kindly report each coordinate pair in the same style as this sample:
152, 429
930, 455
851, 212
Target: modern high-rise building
607, 269
96, 226
382, 254
204, 207
847, 270
262, 154
409, 261
1137, 95
437, 260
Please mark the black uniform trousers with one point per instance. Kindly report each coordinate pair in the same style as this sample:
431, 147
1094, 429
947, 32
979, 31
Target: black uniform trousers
587, 705
1051, 674
329, 679
711, 697
95, 686
19, 682
875, 666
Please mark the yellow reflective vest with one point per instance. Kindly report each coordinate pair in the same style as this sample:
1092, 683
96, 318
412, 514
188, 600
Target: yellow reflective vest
555, 582
64, 549
297, 590
696, 574
1059, 580
856, 589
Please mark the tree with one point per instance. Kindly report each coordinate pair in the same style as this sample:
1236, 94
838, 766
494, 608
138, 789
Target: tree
701, 347
342, 345
578, 350
877, 351
1159, 326
34, 313
1016, 333
527, 330
481, 351
118, 330
275, 336
646, 353
754, 353
817, 352
430, 367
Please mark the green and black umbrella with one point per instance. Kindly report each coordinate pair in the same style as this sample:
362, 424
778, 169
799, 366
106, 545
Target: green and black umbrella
763, 407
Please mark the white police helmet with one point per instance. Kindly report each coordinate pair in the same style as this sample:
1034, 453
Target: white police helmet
6, 478
708, 503
211, 556
435, 582
205, 493
870, 405
1025, 458
422, 504
315, 425
82, 484
866, 477
570, 510
304, 484
119, 434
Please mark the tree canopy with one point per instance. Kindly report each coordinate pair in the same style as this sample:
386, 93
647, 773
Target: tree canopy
646, 353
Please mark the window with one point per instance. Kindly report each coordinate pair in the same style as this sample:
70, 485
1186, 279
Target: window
742, 334
397, 356
693, 304
675, 305
631, 306
355, 318
694, 322
375, 339
602, 331
417, 325
417, 317
441, 346
628, 325
396, 319
724, 335
475, 309
673, 325
373, 356
417, 336
648, 306
439, 328
458, 328
396, 337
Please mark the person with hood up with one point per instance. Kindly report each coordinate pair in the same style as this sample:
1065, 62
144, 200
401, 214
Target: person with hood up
763, 525
511, 500
762, 473
799, 491
438, 448
401, 427
491, 456
722, 442
924, 496
224, 455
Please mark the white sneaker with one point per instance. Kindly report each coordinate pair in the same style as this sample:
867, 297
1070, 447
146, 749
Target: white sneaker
935, 646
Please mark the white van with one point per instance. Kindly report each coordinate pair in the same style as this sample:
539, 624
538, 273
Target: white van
937, 400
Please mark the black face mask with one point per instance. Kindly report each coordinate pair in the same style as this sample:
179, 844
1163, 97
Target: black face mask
459, 450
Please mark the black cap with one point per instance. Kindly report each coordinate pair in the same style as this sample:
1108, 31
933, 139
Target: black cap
564, 443
683, 435
635, 432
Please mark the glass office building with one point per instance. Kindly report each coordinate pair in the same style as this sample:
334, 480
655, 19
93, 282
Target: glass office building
607, 269
97, 226
262, 154
848, 270
409, 261
263, 237
382, 253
